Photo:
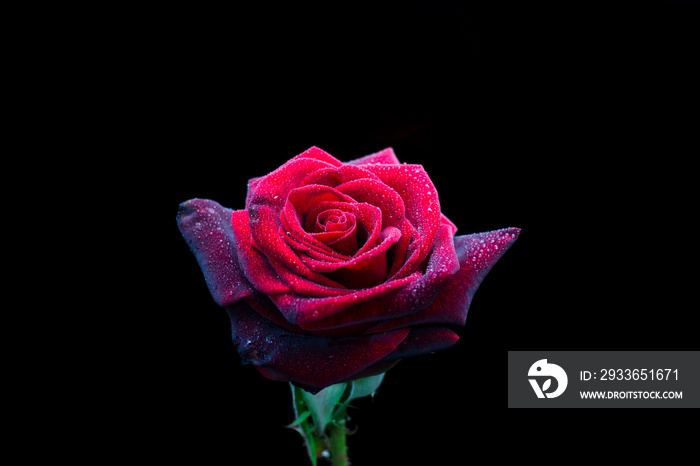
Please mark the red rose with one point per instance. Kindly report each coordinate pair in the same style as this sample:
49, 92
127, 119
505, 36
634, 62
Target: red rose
335, 271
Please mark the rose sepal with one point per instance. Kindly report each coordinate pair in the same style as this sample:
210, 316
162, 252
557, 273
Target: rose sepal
321, 418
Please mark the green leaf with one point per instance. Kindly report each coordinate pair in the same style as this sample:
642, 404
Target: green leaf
311, 445
365, 387
300, 419
303, 423
322, 405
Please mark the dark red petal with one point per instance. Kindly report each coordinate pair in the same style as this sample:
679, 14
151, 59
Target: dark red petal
264, 306
273, 189
378, 194
402, 307
333, 176
420, 199
424, 340
299, 209
383, 156
419, 341
388, 237
304, 245
367, 217
314, 152
341, 235
266, 232
252, 183
447, 221
406, 252
301, 309
477, 253
316, 285
308, 360
206, 226
253, 262
299, 216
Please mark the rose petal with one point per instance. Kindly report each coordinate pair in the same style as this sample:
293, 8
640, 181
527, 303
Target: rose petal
314, 152
378, 194
367, 217
420, 199
252, 183
406, 252
333, 176
300, 209
311, 153
296, 211
311, 361
422, 340
399, 308
265, 230
318, 286
253, 262
273, 189
388, 237
309, 245
301, 309
386, 156
340, 235
476, 253
447, 221
206, 227
264, 306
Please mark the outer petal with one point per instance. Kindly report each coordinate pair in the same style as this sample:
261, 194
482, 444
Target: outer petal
311, 153
314, 362
333, 176
206, 226
386, 156
477, 253
273, 189
419, 341
423, 340
252, 183
253, 262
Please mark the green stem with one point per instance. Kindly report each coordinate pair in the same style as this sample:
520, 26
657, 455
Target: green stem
339, 445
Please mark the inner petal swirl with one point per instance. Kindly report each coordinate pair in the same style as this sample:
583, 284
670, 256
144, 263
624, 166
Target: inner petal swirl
338, 230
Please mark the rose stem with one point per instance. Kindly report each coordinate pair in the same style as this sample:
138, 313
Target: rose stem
339, 445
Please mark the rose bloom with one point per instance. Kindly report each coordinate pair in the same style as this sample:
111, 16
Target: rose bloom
335, 271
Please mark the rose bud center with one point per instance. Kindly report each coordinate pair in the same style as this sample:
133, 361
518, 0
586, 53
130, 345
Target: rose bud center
331, 220
338, 230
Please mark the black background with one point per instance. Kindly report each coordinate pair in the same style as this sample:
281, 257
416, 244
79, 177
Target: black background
573, 122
